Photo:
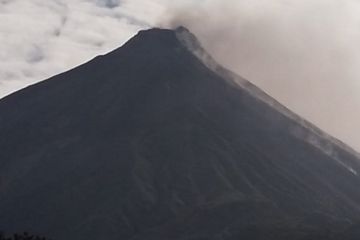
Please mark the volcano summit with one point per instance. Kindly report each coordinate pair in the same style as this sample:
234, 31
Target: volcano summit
155, 140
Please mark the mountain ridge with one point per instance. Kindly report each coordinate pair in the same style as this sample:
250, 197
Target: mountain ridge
148, 142
194, 46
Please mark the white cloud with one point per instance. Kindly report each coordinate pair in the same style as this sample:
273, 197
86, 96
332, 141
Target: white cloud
41, 38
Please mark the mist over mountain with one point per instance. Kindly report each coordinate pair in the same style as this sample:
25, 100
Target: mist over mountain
155, 140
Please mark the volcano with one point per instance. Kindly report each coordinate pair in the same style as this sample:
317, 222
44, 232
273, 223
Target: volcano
155, 140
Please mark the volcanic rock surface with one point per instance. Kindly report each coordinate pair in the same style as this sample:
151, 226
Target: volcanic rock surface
156, 141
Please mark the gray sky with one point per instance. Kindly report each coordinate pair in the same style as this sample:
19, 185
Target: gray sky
305, 53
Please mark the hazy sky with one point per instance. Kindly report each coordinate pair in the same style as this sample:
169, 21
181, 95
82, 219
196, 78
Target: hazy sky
305, 53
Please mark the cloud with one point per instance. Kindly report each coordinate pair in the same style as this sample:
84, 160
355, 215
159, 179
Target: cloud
41, 38
109, 3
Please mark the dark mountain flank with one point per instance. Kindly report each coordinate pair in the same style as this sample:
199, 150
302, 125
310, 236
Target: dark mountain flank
156, 141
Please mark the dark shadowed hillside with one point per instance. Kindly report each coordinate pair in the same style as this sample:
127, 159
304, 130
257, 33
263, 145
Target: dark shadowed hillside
149, 142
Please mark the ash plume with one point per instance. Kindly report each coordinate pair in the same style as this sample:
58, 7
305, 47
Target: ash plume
303, 53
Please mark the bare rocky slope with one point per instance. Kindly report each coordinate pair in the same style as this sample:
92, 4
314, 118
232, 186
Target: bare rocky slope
156, 141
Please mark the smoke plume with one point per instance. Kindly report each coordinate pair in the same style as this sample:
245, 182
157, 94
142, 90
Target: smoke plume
304, 53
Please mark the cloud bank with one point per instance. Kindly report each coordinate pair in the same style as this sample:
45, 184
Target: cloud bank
305, 53
41, 38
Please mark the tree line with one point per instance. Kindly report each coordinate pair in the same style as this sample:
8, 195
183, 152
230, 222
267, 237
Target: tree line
21, 236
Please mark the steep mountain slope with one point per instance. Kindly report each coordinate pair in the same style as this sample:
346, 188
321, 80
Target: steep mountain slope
150, 142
